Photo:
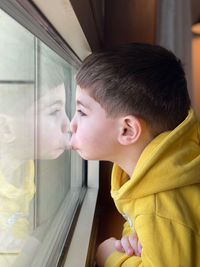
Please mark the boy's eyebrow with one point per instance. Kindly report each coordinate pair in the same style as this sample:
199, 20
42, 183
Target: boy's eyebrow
78, 102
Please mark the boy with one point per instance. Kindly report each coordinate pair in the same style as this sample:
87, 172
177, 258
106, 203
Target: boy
133, 109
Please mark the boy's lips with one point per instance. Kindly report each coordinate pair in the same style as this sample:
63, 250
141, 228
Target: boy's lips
73, 147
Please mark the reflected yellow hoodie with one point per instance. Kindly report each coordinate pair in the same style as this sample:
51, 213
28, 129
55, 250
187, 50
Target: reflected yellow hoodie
161, 201
14, 213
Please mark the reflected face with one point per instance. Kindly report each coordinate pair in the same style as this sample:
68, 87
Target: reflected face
94, 133
53, 124
52, 135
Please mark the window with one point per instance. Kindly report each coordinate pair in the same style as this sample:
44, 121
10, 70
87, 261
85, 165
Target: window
42, 181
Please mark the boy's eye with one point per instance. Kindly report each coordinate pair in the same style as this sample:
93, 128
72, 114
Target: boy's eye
81, 112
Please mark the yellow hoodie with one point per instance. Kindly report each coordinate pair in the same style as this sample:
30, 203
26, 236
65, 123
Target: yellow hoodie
161, 201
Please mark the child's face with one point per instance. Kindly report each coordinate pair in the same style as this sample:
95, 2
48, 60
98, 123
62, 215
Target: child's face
94, 133
52, 135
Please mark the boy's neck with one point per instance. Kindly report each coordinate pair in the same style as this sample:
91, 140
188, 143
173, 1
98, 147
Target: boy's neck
130, 155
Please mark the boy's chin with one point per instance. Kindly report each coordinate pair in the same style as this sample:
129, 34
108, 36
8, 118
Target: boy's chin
81, 154
86, 156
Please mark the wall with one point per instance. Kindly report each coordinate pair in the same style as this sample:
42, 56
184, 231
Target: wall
129, 21
125, 22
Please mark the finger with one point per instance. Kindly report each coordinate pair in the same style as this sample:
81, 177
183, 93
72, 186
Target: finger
139, 248
118, 245
133, 239
126, 245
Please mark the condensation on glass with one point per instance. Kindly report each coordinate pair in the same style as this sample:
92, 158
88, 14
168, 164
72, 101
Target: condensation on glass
40, 178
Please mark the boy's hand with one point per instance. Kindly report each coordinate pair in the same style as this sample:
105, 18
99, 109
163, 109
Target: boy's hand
129, 244
104, 250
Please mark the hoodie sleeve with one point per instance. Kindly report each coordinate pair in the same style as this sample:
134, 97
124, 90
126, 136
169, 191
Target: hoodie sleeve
164, 243
126, 229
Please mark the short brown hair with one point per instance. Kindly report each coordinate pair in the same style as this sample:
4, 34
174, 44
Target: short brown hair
138, 79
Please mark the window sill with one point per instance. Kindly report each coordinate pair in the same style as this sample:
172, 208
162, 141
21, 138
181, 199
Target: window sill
78, 249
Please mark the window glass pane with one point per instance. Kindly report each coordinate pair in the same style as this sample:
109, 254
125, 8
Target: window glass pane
17, 137
53, 132
16, 51
40, 178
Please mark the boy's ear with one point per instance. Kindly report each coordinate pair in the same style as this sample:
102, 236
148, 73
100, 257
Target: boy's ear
130, 131
6, 129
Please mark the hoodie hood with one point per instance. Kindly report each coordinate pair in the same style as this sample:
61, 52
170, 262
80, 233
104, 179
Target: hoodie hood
170, 161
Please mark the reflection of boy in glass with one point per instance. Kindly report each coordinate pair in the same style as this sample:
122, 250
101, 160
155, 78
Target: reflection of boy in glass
24, 123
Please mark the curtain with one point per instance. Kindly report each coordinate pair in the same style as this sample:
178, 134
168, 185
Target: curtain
174, 32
